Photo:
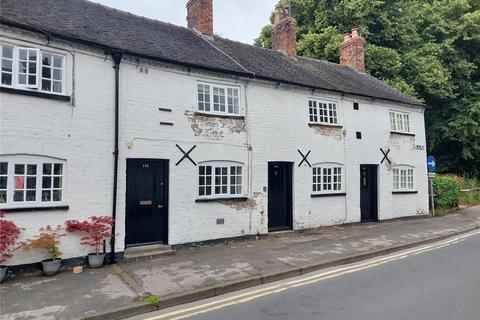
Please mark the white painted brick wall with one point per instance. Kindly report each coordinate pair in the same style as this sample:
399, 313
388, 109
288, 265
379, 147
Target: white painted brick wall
277, 123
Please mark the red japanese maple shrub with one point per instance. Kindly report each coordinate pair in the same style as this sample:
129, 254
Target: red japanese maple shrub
97, 228
9, 234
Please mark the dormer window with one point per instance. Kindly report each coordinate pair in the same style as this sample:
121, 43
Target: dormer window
218, 99
32, 69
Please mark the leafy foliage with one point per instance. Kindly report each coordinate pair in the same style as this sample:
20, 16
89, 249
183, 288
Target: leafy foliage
97, 229
9, 234
429, 49
48, 241
447, 192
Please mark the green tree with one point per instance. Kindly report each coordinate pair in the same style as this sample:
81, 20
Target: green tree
429, 49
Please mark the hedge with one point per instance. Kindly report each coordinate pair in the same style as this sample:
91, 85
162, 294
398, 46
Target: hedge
447, 192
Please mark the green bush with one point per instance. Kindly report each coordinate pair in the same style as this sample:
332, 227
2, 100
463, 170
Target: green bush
470, 198
447, 192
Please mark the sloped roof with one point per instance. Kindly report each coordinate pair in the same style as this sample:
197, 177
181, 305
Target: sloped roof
98, 25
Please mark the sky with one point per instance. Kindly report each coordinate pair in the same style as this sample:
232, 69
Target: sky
240, 20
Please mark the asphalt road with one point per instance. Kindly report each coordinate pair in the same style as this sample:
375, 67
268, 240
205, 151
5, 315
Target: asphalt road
439, 282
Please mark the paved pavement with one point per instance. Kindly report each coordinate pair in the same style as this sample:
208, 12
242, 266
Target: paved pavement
442, 283
68, 296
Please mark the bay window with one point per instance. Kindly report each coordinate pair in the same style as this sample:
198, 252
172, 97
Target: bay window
32, 69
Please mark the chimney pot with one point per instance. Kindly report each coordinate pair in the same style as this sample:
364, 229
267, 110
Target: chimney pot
284, 33
355, 32
200, 16
352, 50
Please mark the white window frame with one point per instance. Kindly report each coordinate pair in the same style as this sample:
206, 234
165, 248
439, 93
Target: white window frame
403, 178
39, 161
15, 81
231, 180
229, 99
318, 178
399, 121
323, 112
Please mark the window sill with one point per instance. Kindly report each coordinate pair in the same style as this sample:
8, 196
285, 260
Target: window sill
35, 208
32, 93
321, 195
403, 133
221, 199
404, 192
312, 124
215, 115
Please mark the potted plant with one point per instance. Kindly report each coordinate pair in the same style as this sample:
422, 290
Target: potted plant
97, 228
48, 240
9, 234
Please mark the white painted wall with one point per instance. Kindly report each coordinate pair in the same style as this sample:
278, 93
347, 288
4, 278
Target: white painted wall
276, 126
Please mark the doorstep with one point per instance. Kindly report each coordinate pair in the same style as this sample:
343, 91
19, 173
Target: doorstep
148, 252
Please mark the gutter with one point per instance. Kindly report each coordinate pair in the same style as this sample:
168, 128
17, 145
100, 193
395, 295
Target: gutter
117, 59
185, 64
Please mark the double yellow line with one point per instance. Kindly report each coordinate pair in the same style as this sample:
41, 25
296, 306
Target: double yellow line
254, 294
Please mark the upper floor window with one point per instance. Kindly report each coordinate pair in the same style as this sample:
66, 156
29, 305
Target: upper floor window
32, 69
327, 178
220, 178
323, 112
30, 181
403, 178
399, 121
218, 99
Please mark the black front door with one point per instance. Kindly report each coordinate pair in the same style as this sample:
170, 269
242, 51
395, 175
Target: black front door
279, 196
147, 202
368, 192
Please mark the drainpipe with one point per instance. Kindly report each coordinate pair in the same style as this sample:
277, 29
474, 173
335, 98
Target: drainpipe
117, 58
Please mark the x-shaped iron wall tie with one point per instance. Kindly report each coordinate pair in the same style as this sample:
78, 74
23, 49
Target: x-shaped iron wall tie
385, 156
304, 158
186, 155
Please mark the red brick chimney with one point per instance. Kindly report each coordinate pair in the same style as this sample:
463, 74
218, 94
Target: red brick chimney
284, 33
200, 16
352, 50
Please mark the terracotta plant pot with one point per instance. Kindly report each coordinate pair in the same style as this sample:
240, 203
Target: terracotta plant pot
3, 273
51, 267
96, 261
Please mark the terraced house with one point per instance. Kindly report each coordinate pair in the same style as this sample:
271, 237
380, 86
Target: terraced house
184, 136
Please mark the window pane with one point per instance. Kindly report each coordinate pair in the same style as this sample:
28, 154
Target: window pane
18, 196
3, 167
22, 54
32, 169
19, 169
57, 195
7, 65
31, 182
57, 86
3, 182
46, 85
47, 59
47, 168
46, 195
6, 79
58, 62
7, 52
31, 195
46, 72
58, 169
46, 182
3, 196
57, 74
